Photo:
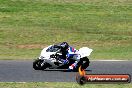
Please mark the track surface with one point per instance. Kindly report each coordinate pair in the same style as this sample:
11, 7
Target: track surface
22, 71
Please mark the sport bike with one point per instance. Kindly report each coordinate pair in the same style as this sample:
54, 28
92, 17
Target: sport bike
50, 59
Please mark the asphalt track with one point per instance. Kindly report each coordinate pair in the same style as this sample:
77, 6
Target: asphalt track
22, 71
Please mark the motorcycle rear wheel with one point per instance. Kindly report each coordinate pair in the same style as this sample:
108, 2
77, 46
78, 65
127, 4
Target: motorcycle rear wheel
84, 63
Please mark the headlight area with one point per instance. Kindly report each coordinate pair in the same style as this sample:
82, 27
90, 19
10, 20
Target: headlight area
41, 57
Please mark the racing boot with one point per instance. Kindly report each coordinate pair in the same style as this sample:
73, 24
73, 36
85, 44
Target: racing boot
72, 66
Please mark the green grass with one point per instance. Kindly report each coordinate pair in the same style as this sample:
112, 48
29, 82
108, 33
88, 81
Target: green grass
61, 85
26, 26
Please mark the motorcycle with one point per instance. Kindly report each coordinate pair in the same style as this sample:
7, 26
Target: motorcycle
50, 58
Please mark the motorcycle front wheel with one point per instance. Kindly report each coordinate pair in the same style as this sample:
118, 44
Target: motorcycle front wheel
39, 65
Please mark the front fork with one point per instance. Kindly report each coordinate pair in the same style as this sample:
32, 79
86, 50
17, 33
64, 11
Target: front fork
41, 61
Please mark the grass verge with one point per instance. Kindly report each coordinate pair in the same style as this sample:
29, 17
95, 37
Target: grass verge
61, 85
26, 26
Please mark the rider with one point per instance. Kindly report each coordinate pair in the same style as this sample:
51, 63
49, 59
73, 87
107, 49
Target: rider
67, 53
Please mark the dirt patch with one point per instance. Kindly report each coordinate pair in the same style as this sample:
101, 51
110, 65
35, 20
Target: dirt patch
31, 46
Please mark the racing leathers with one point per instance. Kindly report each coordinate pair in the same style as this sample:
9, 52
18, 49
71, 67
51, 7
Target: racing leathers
70, 53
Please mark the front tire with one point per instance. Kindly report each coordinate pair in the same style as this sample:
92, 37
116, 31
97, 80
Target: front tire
37, 64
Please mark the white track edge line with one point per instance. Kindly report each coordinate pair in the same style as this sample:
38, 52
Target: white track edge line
110, 60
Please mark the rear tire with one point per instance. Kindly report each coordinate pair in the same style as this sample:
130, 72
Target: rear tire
84, 63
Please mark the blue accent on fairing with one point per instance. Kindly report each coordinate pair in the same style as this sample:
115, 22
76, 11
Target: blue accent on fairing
71, 50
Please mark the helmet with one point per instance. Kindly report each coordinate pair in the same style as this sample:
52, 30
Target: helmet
64, 45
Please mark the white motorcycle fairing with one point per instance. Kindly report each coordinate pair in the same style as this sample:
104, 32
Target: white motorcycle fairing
46, 58
84, 52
